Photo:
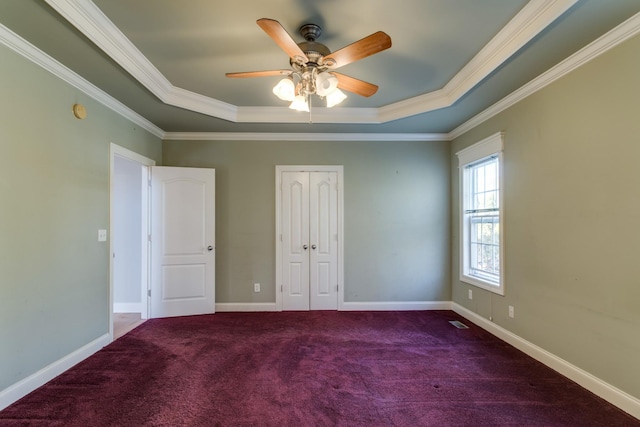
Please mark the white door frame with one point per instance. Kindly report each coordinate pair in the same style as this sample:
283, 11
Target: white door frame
146, 163
339, 169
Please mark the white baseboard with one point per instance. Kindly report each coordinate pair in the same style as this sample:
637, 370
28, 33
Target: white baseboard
347, 306
613, 395
396, 306
27, 385
127, 307
245, 306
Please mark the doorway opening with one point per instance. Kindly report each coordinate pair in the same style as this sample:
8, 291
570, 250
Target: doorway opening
129, 260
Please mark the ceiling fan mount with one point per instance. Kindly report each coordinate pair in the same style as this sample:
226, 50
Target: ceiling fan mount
311, 61
310, 32
313, 50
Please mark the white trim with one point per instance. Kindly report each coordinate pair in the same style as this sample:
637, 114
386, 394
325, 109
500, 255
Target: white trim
25, 386
346, 306
339, 169
35, 55
282, 136
613, 38
93, 23
534, 17
492, 145
317, 115
396, 305
613, 395
127, 307
222, 307
116, 150
481, 149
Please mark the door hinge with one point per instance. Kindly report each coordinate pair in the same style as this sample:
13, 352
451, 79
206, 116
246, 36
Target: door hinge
337, 288
281, 237
148, 292
149, 237
281, 288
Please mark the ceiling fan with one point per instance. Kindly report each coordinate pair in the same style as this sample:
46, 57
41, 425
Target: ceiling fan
312, 65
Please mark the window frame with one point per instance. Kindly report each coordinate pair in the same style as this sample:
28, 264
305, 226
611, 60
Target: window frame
475, 154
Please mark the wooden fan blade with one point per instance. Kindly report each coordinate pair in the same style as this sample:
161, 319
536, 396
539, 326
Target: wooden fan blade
279, 35
354, 85
367, 46
246, 74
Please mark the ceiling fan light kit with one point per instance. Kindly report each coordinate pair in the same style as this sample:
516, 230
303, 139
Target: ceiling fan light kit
300, 103
311, 63
285, 89
335, 98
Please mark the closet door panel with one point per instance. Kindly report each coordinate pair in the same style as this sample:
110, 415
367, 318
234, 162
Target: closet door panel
323, 237
295, 240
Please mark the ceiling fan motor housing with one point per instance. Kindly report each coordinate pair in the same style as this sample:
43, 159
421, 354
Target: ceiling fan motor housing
312, 49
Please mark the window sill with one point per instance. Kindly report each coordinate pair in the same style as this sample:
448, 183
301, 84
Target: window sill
491, 287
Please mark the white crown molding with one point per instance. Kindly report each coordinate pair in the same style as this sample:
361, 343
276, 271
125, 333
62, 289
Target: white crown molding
317, 115
613, 38
342, 137
35, 55
530, 21
201, 104
93, 23
616, 36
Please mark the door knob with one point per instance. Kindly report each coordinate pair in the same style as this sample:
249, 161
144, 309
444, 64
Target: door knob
313, 246
210, 248
305, 247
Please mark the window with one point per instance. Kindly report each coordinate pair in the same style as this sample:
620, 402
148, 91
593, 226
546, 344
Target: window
481, 247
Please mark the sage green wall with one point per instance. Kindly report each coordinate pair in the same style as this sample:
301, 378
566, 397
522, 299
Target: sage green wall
572, 209
54, 196
396, 214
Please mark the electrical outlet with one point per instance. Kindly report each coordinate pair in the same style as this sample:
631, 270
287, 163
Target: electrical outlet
470, 294
102, 235
511, 312
256, 287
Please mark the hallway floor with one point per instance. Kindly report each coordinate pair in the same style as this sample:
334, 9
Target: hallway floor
124, 323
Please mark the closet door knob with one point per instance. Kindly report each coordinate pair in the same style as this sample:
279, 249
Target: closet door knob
313, 246
305, 247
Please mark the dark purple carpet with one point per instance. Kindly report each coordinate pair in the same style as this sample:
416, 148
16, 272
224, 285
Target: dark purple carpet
311, 369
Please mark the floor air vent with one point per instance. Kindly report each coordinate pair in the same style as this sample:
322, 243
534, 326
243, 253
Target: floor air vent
458, 324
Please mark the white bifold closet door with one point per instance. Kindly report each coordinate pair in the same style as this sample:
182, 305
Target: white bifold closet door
310, 240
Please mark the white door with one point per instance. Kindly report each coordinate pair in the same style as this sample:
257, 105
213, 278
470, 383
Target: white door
309, 215
182, 241
323, 237
295, 242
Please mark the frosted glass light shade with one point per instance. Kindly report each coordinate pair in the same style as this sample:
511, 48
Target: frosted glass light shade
300, 104
285, 89
335, 97
326, 83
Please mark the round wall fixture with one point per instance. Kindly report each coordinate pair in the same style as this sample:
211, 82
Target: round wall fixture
79, 111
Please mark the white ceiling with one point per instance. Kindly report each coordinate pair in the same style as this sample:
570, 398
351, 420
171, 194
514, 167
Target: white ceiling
450, 59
